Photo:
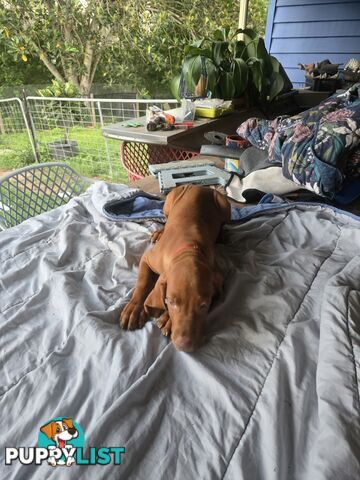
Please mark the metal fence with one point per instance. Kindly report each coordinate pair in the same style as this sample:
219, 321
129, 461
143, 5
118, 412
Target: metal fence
17, 146
69, 129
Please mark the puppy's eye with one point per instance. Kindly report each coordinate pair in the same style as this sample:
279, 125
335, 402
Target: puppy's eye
58, 430
203, 306
65, 427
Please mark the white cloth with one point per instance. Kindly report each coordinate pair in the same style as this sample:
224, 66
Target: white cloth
267, 180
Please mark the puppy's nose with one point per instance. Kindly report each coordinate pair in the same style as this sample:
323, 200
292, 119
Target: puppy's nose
184, 343
72, 431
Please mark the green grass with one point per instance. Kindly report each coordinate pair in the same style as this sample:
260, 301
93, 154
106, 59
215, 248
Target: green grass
93, 160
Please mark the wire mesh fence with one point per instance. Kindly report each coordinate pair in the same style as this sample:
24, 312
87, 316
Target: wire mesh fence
69, 129
16, 142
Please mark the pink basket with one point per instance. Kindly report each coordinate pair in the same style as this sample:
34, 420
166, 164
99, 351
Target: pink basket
136, 157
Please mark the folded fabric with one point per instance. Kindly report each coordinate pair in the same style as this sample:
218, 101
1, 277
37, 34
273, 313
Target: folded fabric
119, 203
349, 193
254, 159
267, 180
139, 206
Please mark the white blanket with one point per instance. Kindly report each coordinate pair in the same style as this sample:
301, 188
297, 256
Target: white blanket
272, 395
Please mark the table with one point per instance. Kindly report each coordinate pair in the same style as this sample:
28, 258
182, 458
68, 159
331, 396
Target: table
139, 147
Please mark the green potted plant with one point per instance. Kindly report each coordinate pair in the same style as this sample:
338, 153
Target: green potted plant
228, 68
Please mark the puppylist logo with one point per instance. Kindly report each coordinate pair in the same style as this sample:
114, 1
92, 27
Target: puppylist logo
61, 443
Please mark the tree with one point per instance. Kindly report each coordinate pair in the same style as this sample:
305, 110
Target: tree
67, 36
151, 45
257, 15
137, 42
14, 71
156, 38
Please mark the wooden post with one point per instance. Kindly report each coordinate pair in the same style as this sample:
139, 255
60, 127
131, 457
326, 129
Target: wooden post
93, 113
243, 12
2, 126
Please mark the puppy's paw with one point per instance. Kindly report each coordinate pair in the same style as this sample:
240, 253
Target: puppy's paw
155, 236
133, 316
164, 323
70, 461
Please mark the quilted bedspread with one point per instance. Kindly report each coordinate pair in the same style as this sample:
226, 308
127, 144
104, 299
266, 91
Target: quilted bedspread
315, 146
272, 395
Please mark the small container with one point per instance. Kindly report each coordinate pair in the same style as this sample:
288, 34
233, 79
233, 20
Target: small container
213, 112
231, 164
63, 149
188, 110
236, 142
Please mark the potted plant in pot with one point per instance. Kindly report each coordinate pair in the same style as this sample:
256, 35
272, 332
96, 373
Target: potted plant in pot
224, 67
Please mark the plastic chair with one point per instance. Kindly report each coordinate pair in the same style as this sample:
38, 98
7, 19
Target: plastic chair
136, 157
36, 189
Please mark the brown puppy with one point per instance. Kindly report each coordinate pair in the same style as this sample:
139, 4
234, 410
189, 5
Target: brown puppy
177, 278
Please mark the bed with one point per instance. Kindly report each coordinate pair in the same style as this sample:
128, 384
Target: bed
273, 394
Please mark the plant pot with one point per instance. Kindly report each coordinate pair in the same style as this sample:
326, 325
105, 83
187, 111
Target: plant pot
62, 149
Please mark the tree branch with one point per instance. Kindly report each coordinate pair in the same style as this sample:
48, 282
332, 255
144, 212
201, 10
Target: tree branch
48, 63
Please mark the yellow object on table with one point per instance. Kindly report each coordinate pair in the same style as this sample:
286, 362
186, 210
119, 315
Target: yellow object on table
213, 112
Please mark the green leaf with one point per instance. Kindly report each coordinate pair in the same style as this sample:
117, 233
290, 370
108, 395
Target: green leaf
212, 76
192, 51
275, 64
248, 32
256, 73
198, 43
240, 50
220, 52
240, 76
221, 34
192, 69
226, 86
261, 51
174, 87
277, 85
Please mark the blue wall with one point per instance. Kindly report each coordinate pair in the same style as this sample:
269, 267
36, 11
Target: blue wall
308, 31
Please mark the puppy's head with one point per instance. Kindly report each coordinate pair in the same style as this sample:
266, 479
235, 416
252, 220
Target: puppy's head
60, 430
186, 292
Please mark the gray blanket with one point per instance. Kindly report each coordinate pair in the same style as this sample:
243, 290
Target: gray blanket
273, 394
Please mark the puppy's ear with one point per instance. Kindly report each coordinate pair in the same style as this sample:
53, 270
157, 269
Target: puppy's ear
172, 197
68, 422
48, 429
155, 302
218, 282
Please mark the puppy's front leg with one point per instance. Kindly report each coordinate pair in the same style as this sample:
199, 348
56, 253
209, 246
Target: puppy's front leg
155, 236
164, 323
134, 316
